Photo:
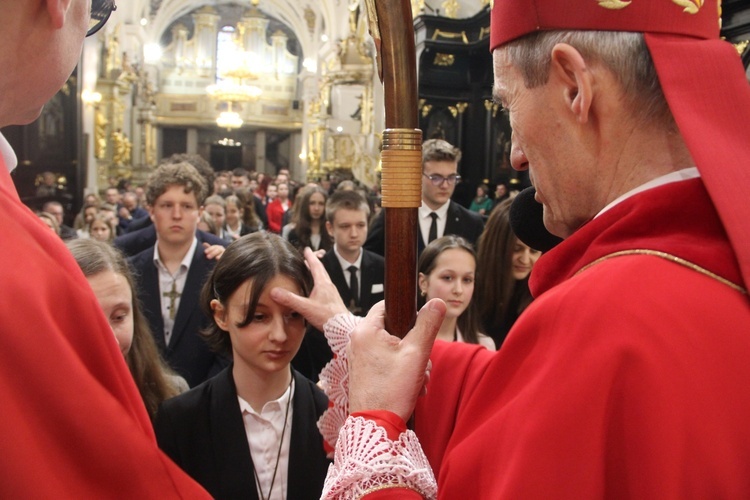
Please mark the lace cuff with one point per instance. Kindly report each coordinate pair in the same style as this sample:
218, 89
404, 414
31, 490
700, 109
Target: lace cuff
366, 460
334, 378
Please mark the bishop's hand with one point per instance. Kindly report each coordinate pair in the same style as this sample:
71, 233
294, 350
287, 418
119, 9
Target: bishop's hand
388, 373
324, 301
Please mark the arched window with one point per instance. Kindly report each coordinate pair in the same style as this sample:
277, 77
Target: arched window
226, 50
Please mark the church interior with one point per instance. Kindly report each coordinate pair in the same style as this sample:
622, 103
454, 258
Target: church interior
267, 85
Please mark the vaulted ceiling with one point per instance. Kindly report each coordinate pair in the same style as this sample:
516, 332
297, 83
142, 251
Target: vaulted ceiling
310, 20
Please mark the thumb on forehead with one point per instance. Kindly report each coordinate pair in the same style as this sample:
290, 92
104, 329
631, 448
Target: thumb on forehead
286, 298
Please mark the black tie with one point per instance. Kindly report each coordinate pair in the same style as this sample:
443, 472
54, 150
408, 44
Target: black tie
433, 228
354, 284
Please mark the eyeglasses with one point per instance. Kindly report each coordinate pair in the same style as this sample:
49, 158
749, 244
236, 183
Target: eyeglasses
437, 180
100, 12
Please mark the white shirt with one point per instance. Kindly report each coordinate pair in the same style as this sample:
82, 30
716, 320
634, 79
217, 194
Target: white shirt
166, 279
482, 339
9, 156
315, 240
679, 175
425, 221
345, 264
263, 431
232, 233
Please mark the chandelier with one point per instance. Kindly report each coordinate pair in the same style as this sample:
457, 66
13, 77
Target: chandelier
229, 119
238, 68
233, 91
231, 86
246, 55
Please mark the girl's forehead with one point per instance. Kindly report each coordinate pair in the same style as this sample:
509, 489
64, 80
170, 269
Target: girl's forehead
454, 258
244, 293
454, 253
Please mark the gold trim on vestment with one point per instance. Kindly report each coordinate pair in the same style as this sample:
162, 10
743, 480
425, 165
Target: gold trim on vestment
671, 258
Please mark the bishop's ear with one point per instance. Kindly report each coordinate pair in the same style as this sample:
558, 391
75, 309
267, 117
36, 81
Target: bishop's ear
571, 71
57, 10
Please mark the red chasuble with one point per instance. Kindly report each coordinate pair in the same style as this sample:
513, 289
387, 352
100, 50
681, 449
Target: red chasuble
627, 377
73, 424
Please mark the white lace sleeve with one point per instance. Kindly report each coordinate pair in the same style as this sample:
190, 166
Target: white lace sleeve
334, 378
367, 461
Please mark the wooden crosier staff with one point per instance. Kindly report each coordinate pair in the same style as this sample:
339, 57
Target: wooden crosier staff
391, 26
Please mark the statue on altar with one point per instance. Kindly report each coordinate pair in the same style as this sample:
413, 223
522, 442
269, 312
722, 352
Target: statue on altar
121, 148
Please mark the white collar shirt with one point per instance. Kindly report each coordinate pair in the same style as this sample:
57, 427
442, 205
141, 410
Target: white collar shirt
264, 431
679, 175
425, 221
231, 233
345, 264
9, 156
169, 282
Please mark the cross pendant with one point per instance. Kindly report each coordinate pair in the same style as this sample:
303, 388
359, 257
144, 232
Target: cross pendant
172, 296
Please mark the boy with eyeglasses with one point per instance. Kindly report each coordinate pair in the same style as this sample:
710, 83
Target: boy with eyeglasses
74, 424
438, 215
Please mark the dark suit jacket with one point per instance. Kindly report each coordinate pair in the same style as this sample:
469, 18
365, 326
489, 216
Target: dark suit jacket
260, 210
67, 232
203, 431
187, 353
136, 216
460, 222
372, 273
136, 242
139, 223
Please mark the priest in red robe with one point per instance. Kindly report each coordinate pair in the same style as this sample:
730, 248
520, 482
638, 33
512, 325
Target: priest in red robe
73, 423
627, 376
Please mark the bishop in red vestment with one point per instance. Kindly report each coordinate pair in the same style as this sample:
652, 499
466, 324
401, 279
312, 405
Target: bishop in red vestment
627, 379
627, 376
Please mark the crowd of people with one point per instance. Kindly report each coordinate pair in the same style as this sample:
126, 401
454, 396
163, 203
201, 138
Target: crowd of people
183, 273
182, 268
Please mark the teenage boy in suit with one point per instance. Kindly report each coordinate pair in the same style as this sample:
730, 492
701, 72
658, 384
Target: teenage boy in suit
438, 215
173, 270
347, 213
357, 273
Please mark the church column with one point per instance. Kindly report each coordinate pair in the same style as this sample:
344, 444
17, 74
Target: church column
260, 152
89, 72
192, 140
297, 167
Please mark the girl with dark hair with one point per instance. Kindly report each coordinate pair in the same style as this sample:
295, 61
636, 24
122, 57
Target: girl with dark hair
258, 415
310, 221
447, 269
503, 283
250, 218
108, 274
